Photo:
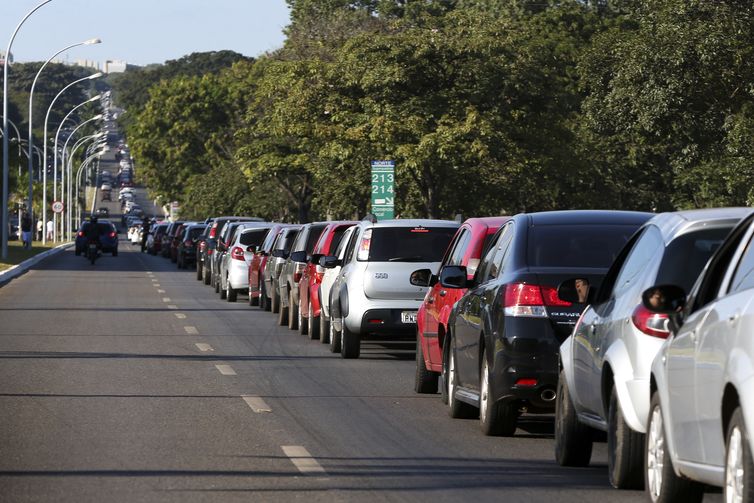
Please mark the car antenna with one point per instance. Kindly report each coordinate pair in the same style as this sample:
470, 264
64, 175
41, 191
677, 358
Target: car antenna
370, 217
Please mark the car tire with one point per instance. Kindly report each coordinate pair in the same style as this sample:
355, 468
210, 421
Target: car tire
573, 439
222, 291
77, 252
425, 381
738, 459
324, 329
231, 293
312, 324
334, 338
274, 300
254, 301
292, 311
115, 253
625, 449
216, 282
282, 313
350, 342
264, 301
206, 275
199, 275
663, 485
456, 408
303, 324
495, 417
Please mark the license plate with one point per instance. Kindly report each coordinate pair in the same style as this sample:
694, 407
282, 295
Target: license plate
408, 317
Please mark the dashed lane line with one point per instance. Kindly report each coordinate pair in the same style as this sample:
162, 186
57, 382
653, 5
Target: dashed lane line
302, 460
191, 330
159, 290
180, 316
225, 370
172, 306
256, 403
204, 347
166, 299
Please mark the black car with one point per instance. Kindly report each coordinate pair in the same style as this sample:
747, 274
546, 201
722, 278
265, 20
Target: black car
501, 351
186, 252
108, 237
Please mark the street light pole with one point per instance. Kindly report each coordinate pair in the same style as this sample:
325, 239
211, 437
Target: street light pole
5, 229
54, 170
55, 156
31, 117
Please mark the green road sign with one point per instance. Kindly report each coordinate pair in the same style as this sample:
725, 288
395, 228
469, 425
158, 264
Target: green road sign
383, 191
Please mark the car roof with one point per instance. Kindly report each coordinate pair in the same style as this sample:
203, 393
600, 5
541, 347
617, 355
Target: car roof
673, 224
585, 217
411, 222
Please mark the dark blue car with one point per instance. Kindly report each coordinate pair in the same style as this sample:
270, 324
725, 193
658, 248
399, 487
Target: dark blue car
108, 237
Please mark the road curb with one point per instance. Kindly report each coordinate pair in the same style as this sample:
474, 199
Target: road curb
17, 270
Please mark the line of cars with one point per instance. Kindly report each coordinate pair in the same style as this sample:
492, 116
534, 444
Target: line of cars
581, 313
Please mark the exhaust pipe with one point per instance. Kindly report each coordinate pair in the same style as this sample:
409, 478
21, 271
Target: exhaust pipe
548, 395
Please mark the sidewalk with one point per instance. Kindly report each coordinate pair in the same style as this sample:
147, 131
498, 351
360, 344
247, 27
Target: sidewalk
14, 271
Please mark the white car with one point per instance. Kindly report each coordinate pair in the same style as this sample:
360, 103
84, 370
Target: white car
605, 363
701, 418
324, 295
234, 265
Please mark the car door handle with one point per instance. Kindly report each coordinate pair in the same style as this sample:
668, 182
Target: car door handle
593, 328
733, 319
431, 300
443, 293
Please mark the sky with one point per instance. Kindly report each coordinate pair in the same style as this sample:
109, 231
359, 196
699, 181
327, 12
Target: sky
141, 32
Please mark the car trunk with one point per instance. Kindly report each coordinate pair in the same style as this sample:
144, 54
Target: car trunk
391, 280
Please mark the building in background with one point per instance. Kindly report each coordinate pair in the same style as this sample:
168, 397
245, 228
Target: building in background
2, 58
115, 66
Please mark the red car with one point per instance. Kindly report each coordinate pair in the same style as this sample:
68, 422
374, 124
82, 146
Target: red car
257, 295
466, 249
311, 277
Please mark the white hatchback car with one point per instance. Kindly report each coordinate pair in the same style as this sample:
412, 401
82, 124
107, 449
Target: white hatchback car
331, 274
701, 418
234, 267
605, 363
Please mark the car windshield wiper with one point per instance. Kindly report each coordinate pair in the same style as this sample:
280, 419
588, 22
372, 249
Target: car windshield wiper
412, 258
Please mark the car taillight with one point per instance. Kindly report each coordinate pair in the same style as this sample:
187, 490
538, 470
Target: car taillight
202, 246
237, 253
213, 231
81, 234
366, 242
654, 324
525, 300
188, 243
298, 272
112, 234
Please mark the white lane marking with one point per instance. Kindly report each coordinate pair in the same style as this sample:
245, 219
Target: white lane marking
156, 285
154, 280
204, 347
256, 404
225, 370
301, 458
191, 330
159, 290
172, 306
180, 316
166, 299
150, 272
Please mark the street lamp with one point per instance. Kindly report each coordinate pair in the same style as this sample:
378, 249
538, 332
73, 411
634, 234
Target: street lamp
4, 241
55, 156
31, 116
55, 172
68, 179
84, 164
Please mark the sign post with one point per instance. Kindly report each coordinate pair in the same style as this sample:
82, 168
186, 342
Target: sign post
383, 190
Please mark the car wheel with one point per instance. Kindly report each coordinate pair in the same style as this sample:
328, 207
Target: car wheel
334, 338
264, 302
663, 485
350, 342
324, 330
425, 381
206, 275
739, 469
216, 283
275, 300
495, 418
303, 324
282, 313
292, 312
254, 301
199, 269
115, 253
222, 291
231, 293
312, 324
625, 449
77, 252
573, 439
456, 408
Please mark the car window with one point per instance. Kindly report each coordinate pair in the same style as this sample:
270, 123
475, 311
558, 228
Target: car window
743, 279
298, 243
583, 246
290, 238
315, 231
253, 237
458, 249
686, 256
502, 252
351, 246
649, 246
408, 244
195, 232
488, 268
337, 237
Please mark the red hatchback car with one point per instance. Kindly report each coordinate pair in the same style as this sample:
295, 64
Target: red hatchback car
311, 278
466, 249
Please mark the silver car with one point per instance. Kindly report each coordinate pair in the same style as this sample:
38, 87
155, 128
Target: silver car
372, 296
605, 363
701, 418
281, 248
331, 274
234, 265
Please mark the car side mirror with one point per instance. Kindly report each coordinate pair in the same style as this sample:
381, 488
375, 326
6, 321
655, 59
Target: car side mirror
329, 262
298, 256
454, 276
576, 291
421, 277
314, 258
279, 253
664, 299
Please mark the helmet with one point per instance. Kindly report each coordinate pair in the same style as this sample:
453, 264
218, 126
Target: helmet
93, 219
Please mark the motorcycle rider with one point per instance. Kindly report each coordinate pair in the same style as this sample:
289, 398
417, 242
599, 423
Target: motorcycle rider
146, 224
92, 233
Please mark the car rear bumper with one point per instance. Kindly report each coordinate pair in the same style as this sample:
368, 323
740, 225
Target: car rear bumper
380, 323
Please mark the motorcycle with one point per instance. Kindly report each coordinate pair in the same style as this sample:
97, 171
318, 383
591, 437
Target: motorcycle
92, 251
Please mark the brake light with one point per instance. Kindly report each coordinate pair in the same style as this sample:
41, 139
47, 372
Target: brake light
237, 253
298, 272
525, 300
112, 234
81, 234
213, 231
649, 323
366, 242
526, 383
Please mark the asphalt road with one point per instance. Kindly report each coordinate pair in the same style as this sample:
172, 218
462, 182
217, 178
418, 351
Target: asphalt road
131, 381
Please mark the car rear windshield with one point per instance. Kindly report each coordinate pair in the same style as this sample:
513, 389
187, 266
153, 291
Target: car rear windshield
195, 232
580, 246
337, 235
255, 237
409, 244
287, 240
314, 233
686, 256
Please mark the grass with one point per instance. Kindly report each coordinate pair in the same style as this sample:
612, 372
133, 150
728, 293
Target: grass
17, 254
